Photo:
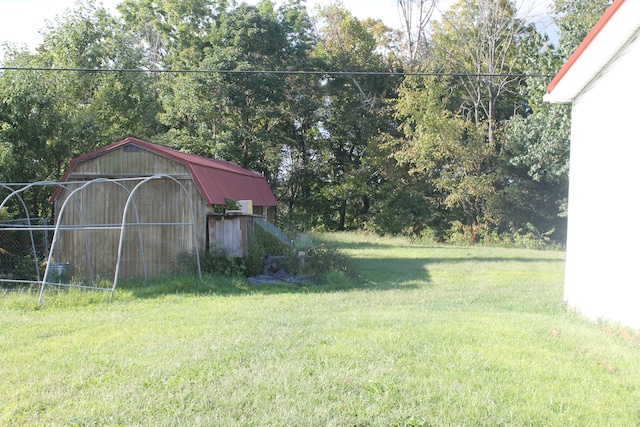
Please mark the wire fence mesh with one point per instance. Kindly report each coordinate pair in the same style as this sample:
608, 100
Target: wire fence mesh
24, 246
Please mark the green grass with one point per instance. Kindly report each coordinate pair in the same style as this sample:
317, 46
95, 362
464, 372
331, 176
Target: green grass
435, 336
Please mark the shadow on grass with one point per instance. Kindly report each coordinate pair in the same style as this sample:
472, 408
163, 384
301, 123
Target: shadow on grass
377, 271
378, 274
394, 273
236, 286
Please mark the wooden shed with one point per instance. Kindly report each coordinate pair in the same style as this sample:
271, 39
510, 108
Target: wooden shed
170, 215
601, 82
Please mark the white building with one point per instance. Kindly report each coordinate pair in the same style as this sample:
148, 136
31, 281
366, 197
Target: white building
602, 82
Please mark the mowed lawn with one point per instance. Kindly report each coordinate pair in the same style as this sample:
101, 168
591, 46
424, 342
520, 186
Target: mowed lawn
437, 336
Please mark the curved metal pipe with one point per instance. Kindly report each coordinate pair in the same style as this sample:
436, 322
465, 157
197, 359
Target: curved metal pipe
124, 216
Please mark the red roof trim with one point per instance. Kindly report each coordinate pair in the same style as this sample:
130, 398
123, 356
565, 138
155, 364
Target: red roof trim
602, 22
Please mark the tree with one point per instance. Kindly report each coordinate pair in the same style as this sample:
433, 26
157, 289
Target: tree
403, 196
48, 117
301, 177
451, 122
538, 137
353, 112
102, 107
574, 19
175, 31
32, 120
444, 149
415, 18
477, 41
240, 115
540, 130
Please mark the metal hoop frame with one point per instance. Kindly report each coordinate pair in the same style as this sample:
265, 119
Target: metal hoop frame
16, 191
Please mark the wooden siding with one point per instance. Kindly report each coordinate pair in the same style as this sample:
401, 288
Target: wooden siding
123, 163
157, 201
266, 212
231, 233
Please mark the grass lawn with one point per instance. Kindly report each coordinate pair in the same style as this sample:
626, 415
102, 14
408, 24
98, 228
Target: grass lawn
437, 336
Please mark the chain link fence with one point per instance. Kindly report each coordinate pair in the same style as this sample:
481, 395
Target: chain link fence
22, 244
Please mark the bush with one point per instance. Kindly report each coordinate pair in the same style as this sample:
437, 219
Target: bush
527, 237
319, 264
262, 244
212, 262
220, 262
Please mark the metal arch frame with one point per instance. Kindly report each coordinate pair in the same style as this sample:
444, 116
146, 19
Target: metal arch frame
82, 227
124, 224
16, 192
26, 212
30, 228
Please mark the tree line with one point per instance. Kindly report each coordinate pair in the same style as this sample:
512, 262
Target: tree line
436, 129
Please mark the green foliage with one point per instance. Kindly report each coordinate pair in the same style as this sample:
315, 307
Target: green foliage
229, 205
574, 19
48, 117
478, 41
215, 262
219, 262
25, 267
16, 255
447, 150
354, 112
493, 170
535, 168
262, 244
341, 151
527, 237
319, 264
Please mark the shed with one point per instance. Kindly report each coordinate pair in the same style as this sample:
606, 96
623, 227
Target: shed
173, 215
602, 82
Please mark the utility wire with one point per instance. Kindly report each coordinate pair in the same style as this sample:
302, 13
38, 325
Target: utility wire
277, 72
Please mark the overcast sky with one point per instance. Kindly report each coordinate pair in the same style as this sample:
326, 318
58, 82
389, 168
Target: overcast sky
22, 20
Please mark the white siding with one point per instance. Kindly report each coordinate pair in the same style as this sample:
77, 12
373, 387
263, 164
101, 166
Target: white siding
603, 245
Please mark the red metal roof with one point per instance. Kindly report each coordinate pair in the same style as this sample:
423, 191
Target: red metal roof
216, 179
602, 22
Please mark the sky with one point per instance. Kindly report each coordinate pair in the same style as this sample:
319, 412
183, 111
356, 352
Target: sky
22, 20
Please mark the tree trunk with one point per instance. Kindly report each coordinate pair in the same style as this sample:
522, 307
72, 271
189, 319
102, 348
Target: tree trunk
343, 214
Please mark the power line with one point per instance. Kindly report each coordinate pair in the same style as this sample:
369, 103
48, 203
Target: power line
277, 72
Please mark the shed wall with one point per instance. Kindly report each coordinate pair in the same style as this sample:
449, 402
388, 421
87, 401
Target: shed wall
125, 161
231, 233
159, 201
602, 279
